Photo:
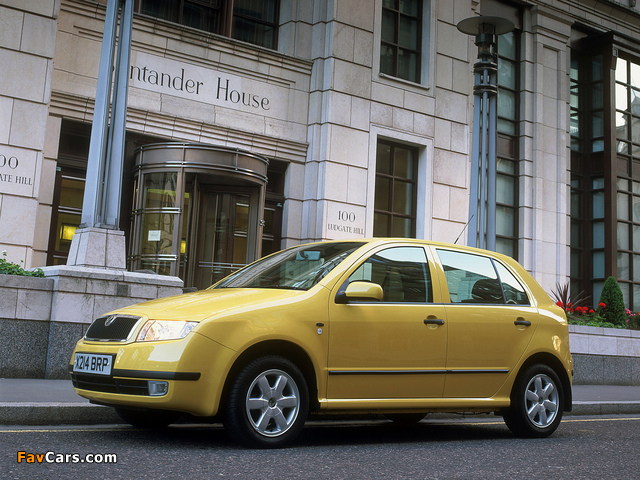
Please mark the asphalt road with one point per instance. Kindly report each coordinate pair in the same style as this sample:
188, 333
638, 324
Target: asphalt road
582, 448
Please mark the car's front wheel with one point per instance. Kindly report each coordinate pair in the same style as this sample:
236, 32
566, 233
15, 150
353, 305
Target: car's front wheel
537, 402
267, 403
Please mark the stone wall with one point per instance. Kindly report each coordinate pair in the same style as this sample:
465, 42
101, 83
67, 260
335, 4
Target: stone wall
605, 356
25, 310
41, 319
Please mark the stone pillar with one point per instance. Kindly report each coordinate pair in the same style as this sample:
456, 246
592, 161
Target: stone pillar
544, 153
98, 247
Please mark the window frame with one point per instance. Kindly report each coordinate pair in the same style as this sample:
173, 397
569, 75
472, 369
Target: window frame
395, 44
392, 178
226, 17
507, 149
427, 48
608, 167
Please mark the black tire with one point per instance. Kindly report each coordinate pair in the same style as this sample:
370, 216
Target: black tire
537, 403
147, 418
267, 404
405, 418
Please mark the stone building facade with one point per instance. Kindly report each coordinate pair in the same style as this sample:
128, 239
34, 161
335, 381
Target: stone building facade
252, 126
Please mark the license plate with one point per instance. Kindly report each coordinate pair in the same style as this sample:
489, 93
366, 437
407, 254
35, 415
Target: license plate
93, 363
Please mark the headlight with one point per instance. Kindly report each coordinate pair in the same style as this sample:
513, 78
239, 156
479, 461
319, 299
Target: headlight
155, 330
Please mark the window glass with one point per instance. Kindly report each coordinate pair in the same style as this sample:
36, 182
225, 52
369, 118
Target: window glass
160, 190
514, 292
402, 272
401, 39
395, 190
470, 278
296, 268
508, 144
253, 21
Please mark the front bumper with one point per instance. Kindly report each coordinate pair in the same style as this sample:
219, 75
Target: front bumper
193, 368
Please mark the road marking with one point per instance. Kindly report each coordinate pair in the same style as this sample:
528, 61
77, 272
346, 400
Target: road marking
310, 424
602, 419
67, 430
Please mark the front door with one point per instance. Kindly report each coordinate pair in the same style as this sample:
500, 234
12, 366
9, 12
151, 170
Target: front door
221, 235
395, 348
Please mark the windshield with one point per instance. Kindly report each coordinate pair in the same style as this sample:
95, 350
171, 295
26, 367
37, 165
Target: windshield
296, 268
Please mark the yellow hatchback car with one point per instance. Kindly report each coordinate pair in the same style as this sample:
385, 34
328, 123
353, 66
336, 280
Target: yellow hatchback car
391, 326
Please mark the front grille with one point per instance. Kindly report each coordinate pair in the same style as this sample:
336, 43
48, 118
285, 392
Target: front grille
118, 328
96, 383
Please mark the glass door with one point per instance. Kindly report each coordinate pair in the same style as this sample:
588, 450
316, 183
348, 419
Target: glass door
222, 233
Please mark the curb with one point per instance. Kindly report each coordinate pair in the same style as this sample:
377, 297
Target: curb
605, 408
56, 414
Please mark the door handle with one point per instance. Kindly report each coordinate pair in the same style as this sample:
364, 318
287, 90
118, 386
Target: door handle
524, 323
433, 321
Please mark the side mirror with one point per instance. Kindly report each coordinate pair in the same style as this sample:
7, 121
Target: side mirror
360, 291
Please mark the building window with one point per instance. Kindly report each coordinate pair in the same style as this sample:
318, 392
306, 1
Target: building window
68, 194
627, 146
402, 39
252, 21
507, 146
588, 193
395, 193
255, 21
605, 165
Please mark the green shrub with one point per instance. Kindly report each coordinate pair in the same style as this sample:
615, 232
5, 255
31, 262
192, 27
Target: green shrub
613, 310
10, 268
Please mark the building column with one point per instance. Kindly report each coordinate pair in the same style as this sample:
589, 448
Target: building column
544, 147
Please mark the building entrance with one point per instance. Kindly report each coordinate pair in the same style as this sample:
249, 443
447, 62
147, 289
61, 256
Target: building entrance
198, 211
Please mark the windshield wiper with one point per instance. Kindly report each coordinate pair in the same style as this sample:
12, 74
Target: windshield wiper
284, 287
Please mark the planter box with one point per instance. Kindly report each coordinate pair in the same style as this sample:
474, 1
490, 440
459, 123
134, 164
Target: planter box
605, 356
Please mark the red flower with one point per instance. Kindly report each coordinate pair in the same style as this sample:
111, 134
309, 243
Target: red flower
602, 305
592, 311
559, 303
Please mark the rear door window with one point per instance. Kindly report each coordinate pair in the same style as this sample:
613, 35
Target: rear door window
476, 279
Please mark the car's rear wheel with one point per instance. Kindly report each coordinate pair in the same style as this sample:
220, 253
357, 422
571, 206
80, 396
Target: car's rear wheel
147, 418
267, 403
537, 402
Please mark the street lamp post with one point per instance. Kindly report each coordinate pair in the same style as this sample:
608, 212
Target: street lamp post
482, 193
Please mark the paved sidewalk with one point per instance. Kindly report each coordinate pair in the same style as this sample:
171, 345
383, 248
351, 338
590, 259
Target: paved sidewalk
54, 402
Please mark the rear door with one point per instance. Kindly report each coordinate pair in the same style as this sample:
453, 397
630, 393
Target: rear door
490, 320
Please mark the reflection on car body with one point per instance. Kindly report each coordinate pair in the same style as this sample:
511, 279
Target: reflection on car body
394, 326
